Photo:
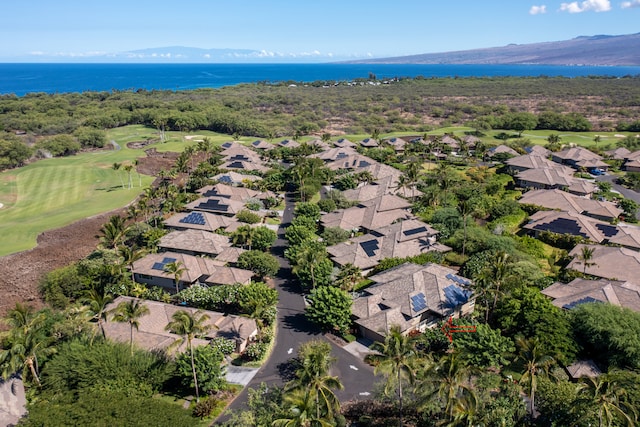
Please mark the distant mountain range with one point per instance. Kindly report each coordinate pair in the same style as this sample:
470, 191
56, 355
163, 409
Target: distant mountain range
584, 50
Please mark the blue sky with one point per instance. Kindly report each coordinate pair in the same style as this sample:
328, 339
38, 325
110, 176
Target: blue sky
301, 30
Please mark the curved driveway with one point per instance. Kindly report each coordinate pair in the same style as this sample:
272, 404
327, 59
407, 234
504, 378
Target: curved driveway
294, 329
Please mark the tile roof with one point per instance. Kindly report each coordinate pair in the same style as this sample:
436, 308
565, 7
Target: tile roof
571, 223
196, 267
229, 276
232, 177
220, 205
608, 262
532, 161
369, 214
622, 294
390, 301
558, 199
212, 222
199, 241
402, 239
546, 177
628, 236
151, 333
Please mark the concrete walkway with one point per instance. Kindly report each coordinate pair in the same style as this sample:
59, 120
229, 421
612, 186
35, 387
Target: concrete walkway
240, 375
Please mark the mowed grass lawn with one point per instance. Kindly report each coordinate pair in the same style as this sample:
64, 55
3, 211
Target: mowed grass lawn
52, 193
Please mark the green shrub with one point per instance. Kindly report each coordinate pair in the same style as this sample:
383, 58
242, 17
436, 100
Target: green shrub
223, 345
255, 351
205, 407
248, 217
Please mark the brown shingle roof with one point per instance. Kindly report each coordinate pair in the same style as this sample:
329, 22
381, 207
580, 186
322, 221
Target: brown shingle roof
403, 239
628, 236
532, 161
219, 205
198, 241
608, 262
546, 177
571, 223
212, 222
151, 333
391, 296
236, 178
369, 214
558, 199
622, 294
229, 276
195, 267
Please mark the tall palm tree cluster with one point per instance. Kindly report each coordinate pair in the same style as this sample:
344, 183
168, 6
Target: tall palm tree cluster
309, 399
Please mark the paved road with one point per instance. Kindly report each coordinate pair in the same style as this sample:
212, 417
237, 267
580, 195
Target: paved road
294, 329
627, 193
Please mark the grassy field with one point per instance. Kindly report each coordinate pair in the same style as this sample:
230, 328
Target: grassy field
52, 193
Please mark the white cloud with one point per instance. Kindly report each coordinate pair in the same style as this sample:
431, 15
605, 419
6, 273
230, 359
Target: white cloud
586, 6
630, 4
538, 10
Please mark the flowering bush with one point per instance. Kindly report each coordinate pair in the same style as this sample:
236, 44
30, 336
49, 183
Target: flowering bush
223, 345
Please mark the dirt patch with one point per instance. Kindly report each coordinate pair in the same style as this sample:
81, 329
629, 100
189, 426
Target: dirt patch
141, 144
21, 272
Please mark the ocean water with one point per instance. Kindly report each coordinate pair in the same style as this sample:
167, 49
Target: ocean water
20, 79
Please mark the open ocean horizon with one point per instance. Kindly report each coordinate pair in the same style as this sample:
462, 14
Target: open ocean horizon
21, 79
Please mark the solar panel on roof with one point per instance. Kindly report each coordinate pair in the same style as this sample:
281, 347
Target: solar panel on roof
341, 155
227, 144
364, 164
418, 302
369, 247
236, 165
574, 304
607, 230
161, 265
225, 178
193, 218
456, 296
414, 231
563, 226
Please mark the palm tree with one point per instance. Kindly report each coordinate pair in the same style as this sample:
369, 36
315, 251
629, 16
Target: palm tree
585, 257
500, 271
315, 361
300, 412
175, 268
534, 363
243, 236
307, 258
128, 168
113, 232
348, 276
98, 302
130, 312
451, 379
465, 207
604, 394
189, 325
396, 359
26, 340
129, 255
116, 167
